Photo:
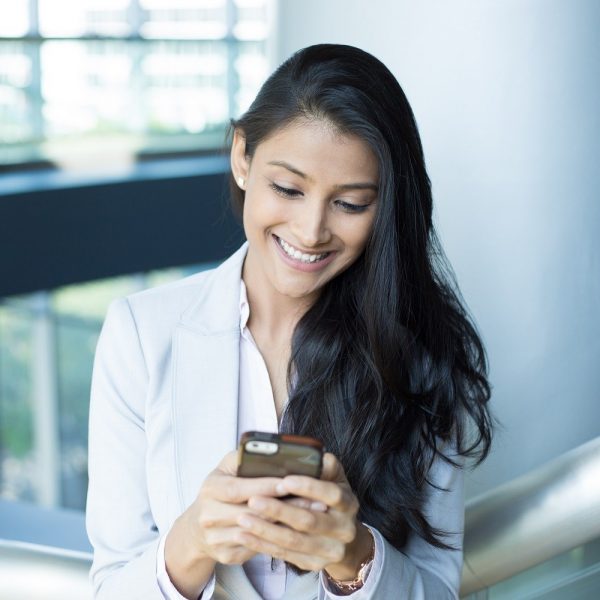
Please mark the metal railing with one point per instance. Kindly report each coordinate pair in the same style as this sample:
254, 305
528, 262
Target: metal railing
508, 530
32, 572
533, 518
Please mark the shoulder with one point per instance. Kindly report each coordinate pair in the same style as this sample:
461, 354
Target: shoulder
171, 302
167, 301
208, 297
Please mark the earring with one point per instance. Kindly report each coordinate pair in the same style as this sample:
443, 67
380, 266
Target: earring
241, 182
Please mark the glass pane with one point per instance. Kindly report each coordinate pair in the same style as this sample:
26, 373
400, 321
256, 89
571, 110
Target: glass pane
76, 343
99, 104
92, 94
184, 19
251, 20
14, 18
251, 68
71, 18
76, 314
186, 87
17, 462
17, 116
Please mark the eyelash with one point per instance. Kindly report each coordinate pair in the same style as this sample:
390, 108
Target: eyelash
287, 193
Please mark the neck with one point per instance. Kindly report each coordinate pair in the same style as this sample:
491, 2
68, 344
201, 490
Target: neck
273, 314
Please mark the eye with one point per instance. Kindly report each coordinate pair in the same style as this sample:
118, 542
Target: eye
286, 192
351, 208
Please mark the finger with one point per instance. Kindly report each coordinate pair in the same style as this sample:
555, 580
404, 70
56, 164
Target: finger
225, 545
306, 503
333, 469
332, 494
284, 543
237, 490
224, 536
220, 514
298, 518
334, 524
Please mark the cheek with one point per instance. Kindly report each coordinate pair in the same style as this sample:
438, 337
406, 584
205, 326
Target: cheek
357, 236
260, 212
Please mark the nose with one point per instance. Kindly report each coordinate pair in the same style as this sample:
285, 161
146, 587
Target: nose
310, 225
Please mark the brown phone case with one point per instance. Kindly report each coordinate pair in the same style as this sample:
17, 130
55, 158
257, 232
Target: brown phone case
288, 455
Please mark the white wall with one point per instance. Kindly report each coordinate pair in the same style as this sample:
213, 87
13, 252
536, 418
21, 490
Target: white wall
507, 97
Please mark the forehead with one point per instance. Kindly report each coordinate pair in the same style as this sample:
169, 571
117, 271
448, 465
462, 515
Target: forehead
320, 151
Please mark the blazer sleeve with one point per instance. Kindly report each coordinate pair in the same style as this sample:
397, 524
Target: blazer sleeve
119, 521
421, 571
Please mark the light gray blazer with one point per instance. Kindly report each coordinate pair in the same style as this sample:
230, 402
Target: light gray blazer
164, 412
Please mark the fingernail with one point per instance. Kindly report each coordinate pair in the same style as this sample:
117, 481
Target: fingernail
292, 484
257, 503
281, 489
245, 522
318, 506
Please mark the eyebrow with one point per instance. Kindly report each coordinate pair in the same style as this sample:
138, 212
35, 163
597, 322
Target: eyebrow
344, 186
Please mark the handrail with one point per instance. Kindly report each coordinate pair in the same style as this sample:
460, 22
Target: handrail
533, 518
34, 572
507, 530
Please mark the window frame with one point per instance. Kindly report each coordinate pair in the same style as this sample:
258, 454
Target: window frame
35, 39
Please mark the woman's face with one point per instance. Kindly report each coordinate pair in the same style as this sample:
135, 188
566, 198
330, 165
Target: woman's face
311, 196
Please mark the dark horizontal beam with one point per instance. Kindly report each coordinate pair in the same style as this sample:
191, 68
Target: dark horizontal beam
70, 234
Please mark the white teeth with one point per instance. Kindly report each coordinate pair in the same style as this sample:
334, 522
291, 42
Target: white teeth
300, 256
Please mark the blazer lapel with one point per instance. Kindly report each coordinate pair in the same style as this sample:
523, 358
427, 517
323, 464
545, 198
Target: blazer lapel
205, 378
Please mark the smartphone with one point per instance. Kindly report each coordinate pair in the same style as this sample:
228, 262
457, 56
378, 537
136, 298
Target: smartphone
277, 455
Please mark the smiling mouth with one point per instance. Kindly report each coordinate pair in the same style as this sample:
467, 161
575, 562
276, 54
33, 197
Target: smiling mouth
296, 254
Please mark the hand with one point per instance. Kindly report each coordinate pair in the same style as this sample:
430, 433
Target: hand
208, 531
310, 539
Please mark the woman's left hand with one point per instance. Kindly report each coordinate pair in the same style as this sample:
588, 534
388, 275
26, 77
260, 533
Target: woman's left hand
328, 536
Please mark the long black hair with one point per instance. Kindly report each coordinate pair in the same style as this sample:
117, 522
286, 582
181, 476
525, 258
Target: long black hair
388, 368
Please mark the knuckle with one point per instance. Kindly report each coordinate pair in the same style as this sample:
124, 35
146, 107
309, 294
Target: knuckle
207, 489
238, 555
348, 533
274, 509
222, 556
240, 538
293, 539
308, 521
337, 552
231, 492
206, 521
336, 495
315, 564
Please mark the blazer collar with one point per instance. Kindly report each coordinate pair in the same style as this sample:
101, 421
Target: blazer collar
217, 308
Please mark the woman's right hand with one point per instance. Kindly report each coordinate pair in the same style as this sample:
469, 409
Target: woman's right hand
207, 532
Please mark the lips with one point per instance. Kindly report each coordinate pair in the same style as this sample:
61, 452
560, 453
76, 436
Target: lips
306, 262
296, 254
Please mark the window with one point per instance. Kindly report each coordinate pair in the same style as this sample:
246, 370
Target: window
83, 81
47, 345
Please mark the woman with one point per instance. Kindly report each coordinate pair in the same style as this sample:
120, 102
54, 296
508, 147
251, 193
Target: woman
337, 319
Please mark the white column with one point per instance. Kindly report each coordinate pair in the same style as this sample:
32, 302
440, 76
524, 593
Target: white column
45, 402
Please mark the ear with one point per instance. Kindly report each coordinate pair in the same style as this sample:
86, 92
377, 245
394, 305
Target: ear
240, 163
